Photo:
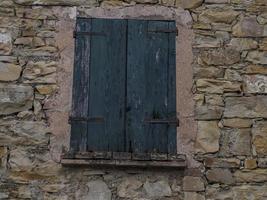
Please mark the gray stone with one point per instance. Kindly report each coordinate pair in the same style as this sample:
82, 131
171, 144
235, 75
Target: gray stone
208, 72
208, 135
218, 15
245, 107
128, 188
249, 27
217, 86
220, 57
236, 142
5, 42
194, 184
56, 2
24, 133
255, 84
193, 196
15, 98
208, 112
9, 72
257, 57
222, 162
237, 123
220, 176
188, 4
159, 188
98, 190
206, 42
40, 72
262, 162
243, 44
215, 192
217, 1
232, 75
259, 137
249, 192
262, 18
256, 175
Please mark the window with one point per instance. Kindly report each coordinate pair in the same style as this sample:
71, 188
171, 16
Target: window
124, 90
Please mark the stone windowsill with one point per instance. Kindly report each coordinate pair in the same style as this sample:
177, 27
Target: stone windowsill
121, 159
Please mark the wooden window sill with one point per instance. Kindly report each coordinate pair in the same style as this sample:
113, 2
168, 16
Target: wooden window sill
116, 159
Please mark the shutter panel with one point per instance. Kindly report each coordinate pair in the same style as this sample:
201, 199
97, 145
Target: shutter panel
151, 92
107, 85
78, 141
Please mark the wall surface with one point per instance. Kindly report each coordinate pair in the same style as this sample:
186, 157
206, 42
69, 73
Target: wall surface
221, 101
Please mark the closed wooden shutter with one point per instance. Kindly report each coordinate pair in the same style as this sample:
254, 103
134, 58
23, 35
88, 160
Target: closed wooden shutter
151, 96
124, 97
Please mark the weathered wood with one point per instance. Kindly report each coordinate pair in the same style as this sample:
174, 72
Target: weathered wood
150, 91
141, 156
122, 156
124, 163
107, 85
171, 89
159, 156
78, 141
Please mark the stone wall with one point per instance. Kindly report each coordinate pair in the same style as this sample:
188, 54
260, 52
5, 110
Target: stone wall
225, 56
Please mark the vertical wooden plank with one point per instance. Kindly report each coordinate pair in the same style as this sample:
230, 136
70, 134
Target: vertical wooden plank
107, 85
147, 85
80, 86
172, 133
136, 52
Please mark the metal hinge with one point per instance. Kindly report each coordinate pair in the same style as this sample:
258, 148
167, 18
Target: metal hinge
162, 121
84, 33
86, 119
164, 31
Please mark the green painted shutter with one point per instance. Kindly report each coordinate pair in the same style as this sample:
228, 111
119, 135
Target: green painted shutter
99, 85
124, 79
151, 96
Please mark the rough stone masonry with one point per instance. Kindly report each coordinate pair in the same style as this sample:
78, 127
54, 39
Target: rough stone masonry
224, 60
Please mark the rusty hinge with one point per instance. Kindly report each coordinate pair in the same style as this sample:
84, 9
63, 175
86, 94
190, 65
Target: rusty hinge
164, 31
76, 33
162, 121
86, 119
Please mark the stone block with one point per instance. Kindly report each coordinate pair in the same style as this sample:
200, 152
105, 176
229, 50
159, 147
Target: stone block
237, 123
218, 15
226, 56
256, 69
243, 44
255, 84
188, 4
193, 184
251, 176
157, 189
249, 27
219, 175
208, 112
40, 72
208, 72
245, 107
257, 57
222, 162
9, 71
235, 142
259, 137
5, 42
217, 86
193, 196
247, 192
15, 98
250, 163
207, 137
129, 188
